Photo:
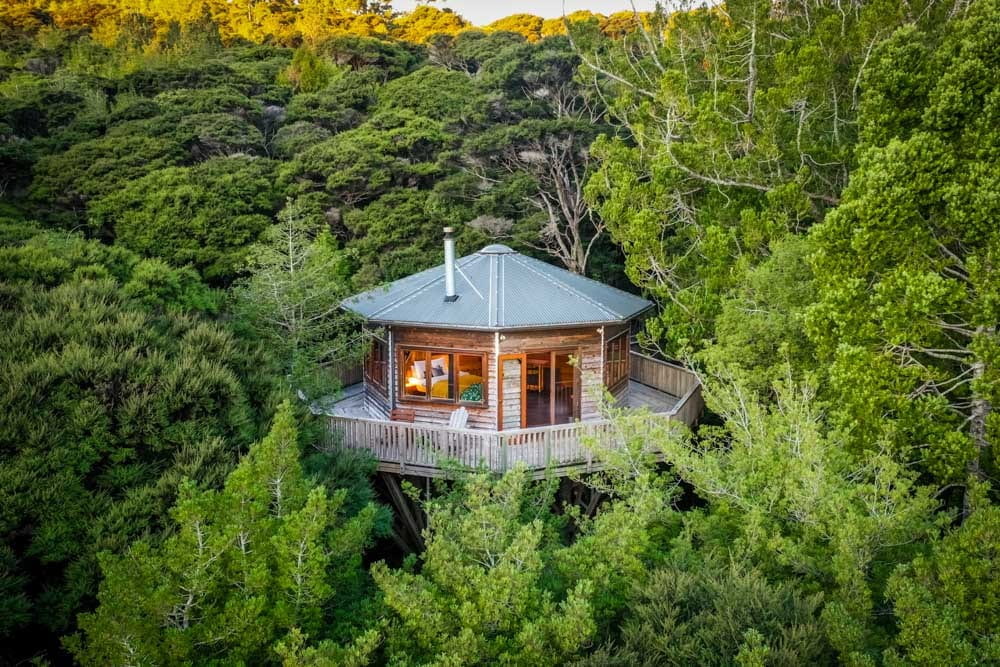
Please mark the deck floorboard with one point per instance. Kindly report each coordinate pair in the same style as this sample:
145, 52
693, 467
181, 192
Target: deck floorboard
644, 396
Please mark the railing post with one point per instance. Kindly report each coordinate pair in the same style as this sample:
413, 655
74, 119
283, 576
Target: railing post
503, 453
548, 447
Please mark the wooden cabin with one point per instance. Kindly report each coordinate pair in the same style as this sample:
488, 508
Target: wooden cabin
497, 348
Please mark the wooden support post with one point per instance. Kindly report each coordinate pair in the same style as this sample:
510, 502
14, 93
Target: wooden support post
595, 500
402, 505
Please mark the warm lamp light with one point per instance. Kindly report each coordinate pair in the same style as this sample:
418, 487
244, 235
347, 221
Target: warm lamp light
415, 382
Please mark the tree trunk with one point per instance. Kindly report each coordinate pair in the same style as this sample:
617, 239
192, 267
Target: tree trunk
981, 408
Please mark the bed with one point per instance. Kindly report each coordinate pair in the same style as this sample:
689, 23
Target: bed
439, 380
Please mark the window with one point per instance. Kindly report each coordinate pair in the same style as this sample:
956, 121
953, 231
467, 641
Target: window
430, 375
377, 366
616, 361
471, 378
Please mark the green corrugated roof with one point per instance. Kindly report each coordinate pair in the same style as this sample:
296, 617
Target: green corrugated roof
498, 289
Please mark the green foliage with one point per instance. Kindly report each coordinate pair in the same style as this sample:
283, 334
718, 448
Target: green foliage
905, 267
784, 497
176, 214
456, 98
760, 328
291, 299
479, 597
307, 72
395, 236
496, 584
210, 135
114, 406
244, 567
741, 130
396, 148
99, 167
473, 392
948, 602
701, 612
807, 191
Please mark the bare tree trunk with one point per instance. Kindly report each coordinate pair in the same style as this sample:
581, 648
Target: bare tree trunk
981, 408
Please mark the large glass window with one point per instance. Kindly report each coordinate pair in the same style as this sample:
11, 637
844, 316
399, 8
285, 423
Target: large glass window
414, 369
616, 361
443, 376
471, 378
377, 365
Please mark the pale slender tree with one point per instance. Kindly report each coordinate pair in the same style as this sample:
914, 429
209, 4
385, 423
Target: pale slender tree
291, 298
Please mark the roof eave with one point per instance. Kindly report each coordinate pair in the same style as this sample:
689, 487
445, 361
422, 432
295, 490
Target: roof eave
523, 327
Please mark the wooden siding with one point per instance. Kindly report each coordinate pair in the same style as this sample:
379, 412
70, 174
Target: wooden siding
376, 403
583, 343
447, 340
512, 392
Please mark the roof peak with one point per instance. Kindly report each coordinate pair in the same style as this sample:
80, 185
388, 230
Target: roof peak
496, 249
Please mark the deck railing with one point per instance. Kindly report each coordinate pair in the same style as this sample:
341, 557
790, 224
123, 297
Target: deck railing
426, 449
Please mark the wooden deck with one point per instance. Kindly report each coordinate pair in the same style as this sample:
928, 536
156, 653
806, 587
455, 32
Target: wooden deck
352, 401
667, 391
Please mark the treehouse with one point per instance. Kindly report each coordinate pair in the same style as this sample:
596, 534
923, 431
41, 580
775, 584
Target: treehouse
495, 359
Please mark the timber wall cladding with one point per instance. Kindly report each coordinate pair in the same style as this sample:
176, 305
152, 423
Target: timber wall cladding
583, 343
449, 340
511, 393
375, 403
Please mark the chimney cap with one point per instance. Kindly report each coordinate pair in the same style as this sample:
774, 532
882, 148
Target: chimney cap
449, 230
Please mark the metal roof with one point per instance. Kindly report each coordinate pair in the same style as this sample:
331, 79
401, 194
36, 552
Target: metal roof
497, 289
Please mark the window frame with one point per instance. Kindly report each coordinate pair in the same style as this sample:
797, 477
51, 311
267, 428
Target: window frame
616, 367
453, 354
379, 384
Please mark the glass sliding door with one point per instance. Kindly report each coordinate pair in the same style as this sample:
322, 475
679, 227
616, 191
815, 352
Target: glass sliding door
550, 388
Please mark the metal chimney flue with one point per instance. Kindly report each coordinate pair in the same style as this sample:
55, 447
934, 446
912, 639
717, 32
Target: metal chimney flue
449, 265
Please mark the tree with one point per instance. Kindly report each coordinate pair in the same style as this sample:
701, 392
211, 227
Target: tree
785, 498
393, 148
209, 135
539, 150
291, 297
456, 100
760, 330
527, 25
247, 566
425, 22
480, 596
907, 265
497, 585
699, 611
307, 72
118, 390
948, 601
205, 216
546, 164
95, 168
737, 128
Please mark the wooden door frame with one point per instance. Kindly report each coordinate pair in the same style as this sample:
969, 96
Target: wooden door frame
575, 408
522, 357
577, 384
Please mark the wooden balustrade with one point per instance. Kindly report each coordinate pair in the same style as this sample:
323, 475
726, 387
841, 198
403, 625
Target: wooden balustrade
346, 372
670, 378
427, 450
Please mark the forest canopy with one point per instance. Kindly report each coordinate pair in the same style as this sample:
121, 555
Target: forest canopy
806, 190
